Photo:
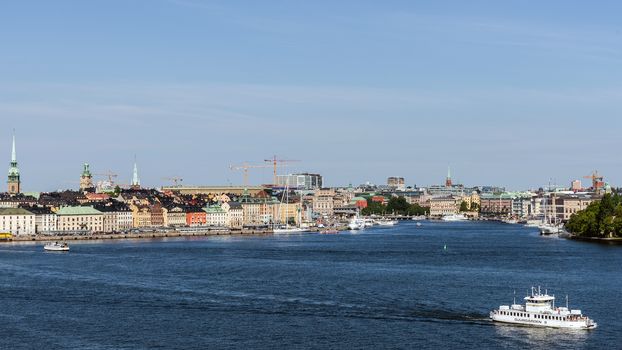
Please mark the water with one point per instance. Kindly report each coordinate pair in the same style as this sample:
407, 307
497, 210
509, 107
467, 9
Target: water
379, 288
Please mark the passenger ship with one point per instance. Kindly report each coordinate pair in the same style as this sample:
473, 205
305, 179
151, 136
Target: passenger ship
540, 311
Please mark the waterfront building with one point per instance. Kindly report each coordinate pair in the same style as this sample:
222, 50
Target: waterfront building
157, 214
17, 221
174, 216
301, 181
46, 220
259, 210
576, 186
324, 202
141, 215
14, 179
495, 204
288, 212
441, 206
79, 218
235, 214
117, 216
195, 216
396, 183
215, 215
560, 206
86, 179
472, 199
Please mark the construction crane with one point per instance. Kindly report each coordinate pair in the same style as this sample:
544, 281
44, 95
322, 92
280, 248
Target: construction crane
175, 179
244, 167
110, 175
597, 181
276, 161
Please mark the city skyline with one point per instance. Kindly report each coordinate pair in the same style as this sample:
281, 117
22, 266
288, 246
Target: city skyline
505, 94
135, 182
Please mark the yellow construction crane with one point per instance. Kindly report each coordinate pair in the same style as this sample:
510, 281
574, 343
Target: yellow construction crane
276, 161
244, 167
175, 179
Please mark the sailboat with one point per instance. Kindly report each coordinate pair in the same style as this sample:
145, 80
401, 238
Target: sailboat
287, 229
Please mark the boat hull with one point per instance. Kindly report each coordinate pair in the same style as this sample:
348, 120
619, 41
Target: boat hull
530, 319
56, 249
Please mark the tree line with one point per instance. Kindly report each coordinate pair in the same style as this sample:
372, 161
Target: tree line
600, 219
396, 205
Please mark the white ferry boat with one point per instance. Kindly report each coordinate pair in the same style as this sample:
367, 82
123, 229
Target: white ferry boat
56, 247
454, 217
540, 311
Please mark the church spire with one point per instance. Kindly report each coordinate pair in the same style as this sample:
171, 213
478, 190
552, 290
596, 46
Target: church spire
13, 153
135, 179
14, 178
448, 182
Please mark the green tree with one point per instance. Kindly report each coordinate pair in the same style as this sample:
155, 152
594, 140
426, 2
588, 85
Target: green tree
398, 205
474, 206
464, 206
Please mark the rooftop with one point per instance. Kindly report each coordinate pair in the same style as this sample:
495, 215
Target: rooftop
14, 211
78, 211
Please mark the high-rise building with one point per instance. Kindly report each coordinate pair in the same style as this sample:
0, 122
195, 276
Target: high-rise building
397, 183
86, 179
302, 181
14, 177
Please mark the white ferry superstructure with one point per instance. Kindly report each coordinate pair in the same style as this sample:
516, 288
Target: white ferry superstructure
540, 311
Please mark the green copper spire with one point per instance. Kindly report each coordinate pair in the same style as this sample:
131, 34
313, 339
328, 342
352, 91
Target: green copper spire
85, 171
13, 169
14, 178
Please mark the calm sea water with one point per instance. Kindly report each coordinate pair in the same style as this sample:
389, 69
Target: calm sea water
379, 288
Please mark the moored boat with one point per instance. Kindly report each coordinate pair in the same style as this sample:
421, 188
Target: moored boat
454, 217
540, 311
56, 247
329, 232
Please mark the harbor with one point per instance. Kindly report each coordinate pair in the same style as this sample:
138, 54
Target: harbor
386, 286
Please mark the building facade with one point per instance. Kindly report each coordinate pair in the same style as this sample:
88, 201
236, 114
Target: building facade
17, 221
76, 219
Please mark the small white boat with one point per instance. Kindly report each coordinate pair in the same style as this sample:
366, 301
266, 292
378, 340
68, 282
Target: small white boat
549, 229
387, 222
540, 311
56, 247
454, 217
286, 230
356, 224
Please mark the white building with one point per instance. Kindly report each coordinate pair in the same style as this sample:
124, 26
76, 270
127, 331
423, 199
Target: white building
215, 215
17, 221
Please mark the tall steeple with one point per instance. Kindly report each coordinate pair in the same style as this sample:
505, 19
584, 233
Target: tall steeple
13, 153
135, 179
14, 178
86, 179
448, 182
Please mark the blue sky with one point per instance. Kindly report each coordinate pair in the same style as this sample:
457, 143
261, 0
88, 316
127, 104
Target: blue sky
508, 93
